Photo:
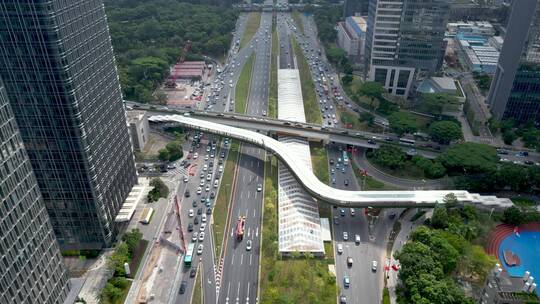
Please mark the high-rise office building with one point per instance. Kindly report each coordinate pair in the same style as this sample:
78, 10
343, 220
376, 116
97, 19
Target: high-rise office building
404, 41
32, 270
58, 67
515, 89
355, 7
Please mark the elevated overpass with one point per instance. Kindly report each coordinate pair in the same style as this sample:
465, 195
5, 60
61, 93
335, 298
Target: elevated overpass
313, 132
320, 190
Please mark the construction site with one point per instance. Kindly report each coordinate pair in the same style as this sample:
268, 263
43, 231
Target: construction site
184, 87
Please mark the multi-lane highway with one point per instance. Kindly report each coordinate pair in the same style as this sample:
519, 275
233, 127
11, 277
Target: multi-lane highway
239, 276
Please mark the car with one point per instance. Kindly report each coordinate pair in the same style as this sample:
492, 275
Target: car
220, 169
199, 211
207, 202
196, 155
342, 211
371, 142
346, 182
208, 211
199, 190
336, 220
392, 216
190, 227
331, 161
216, 183
345, 235
352, 212
209, 177
200, 248
259, 188
201, 236
222, 155
374, 266
187, 194
339, 248
349, 261
342, 299
196, 220
194, 204
248, 245
193, 272
201, 175
201, 183
203, 226
332, 171
203, 218
207, 189
190, 212
183, 287
333, 180
346, 281
185, 179
195, 236
357, 238
205, 167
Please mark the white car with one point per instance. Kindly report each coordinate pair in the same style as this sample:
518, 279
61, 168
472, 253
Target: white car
194, 237
345, 235
200, 249
220, 169
203, 218
201, 183
208, 177
199, 190
205, 167
196, 155
357, 239
185, 179
203, 226
248, 245
340, 248
259, 188
201, 236
191, 213
374, 266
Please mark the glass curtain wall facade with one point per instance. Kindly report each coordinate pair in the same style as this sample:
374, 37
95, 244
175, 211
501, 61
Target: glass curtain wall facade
32, 270
57, 63
515, 90
421, 41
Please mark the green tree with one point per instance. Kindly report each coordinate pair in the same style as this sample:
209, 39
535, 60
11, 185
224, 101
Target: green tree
513, 215
164, 154
159, 190
111, 293
470, 158
439, 220
436, 103
175, 150
390, 157
509, 137
403, 122
336, 55
371, 89
118, 258
445, 131
347, 79
531, 137
132, 239
367, 117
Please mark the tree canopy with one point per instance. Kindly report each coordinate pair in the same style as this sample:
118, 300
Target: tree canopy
403, 122
389, 156
445, 131
148, 36
371, 89
470, 157
435, 103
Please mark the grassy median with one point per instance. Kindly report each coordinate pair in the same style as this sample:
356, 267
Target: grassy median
196, 297
319, 162
311, 107
252, 25
299, 279
242, 86
298, 20
273, 96
224, 197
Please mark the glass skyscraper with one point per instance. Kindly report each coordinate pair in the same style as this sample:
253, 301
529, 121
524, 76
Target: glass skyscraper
31, 269
515, 90
58, 66
404, 41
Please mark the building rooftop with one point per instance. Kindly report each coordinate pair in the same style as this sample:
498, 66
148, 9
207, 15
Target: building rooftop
359, 24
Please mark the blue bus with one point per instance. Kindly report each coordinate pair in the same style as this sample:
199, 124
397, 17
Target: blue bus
189, 255
345, 158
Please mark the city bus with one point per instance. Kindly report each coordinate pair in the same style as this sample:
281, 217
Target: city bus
407, 141
189, 255
146, 215
345, 158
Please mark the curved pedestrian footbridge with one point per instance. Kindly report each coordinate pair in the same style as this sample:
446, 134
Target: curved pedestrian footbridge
322, 191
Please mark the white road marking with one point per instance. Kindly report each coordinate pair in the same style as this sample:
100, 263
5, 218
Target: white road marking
257, 232
254, 212
242, 194
249, 231
241, 259
232, 259
250, 258
248, 195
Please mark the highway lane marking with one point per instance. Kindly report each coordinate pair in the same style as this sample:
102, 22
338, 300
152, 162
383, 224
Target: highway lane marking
250, 258
232, 259
242, 194
248, 194
238, 293
249, 230
254, 212
241, 259
257, 232
247, 298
